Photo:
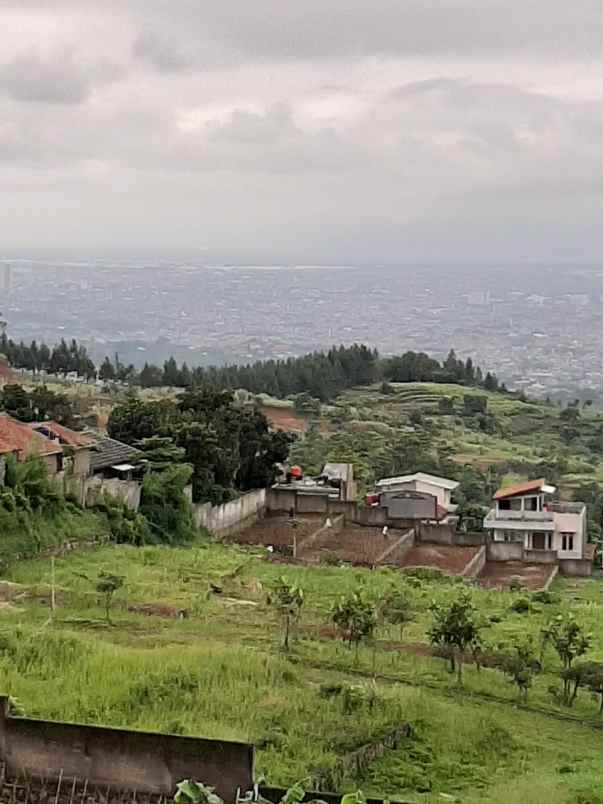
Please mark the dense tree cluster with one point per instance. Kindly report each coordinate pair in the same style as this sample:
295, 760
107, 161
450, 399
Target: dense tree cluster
37, 405
229, 447
419, 367
319, 375
61, 359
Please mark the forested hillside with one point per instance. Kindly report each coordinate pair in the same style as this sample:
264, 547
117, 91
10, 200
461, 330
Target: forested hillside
320, 374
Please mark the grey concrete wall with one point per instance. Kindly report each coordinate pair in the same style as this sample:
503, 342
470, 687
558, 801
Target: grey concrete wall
469, 539
370, 516
409, 507
476, 565
88, 491
540, 556
504, 551
580, 567
141, 761
233, 516
96, 487
437, 534
280, 499
312, 504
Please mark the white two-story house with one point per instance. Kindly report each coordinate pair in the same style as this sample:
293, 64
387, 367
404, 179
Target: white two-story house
527, 513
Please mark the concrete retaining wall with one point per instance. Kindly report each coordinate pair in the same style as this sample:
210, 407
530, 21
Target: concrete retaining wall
504, 551
233, 516
129, 760
469, 539
476, 565
580, 567
551, 578
396, 551
540, 556
336, 526
437, 534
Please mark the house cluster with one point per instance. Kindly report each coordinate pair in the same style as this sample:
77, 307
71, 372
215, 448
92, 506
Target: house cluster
527, 515
67, 453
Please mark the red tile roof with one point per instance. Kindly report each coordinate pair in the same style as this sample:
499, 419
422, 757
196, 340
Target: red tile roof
66, 436
520, 488
21, 439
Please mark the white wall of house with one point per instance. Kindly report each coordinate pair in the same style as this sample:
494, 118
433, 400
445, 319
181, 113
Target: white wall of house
570, 525
565, 525
443, 496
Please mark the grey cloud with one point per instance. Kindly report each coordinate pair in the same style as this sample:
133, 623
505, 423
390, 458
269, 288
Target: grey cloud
56, 78
327, 129
32, 78
269, 29
163, 52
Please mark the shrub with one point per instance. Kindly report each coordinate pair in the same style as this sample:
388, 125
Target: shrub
330, 559
521, 605
546, 597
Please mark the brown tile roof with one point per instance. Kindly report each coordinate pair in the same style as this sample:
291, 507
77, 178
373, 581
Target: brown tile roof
520, 488
108, 452
21, 439
66, 436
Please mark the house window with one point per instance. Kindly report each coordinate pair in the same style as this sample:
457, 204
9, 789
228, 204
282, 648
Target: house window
567, 541
549, 541
504, 505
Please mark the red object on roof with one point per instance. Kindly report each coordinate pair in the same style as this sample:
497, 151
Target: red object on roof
20, 439
520, 488
296, 471
66, 436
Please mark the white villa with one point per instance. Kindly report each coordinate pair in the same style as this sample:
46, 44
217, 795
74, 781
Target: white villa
439, 487
527, 513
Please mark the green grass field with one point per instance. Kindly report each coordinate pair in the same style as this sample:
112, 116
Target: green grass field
222, 673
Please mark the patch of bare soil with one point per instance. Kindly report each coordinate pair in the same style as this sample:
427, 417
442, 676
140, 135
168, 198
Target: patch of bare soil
159, 610
446, 558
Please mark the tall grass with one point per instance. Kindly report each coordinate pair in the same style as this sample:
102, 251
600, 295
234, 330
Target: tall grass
220, 673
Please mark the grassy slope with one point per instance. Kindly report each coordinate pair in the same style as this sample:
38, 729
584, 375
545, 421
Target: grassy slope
220, 673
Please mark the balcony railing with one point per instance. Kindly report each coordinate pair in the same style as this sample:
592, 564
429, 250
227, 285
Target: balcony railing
520, 516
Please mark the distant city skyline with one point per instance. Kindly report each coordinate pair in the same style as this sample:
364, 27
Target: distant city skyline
530, 326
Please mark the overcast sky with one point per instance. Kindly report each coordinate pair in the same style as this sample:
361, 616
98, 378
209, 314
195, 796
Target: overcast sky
305, 131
